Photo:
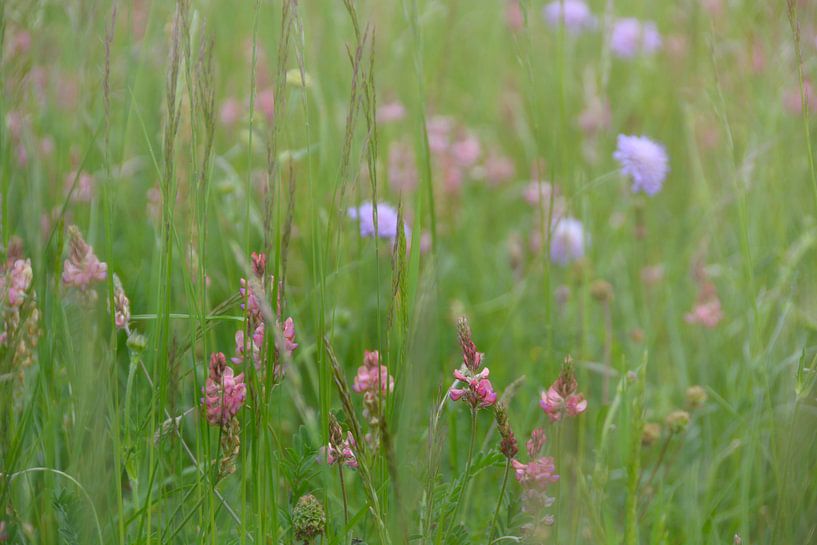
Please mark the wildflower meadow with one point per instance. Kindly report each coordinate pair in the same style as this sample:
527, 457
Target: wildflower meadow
439, 272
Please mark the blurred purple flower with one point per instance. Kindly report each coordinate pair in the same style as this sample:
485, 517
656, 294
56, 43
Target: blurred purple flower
574, 13
629, 37
386, 220
567, 241
644, 161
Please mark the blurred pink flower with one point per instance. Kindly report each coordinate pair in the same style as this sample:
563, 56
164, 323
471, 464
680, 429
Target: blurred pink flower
402, 167
562, 397
265, 102
289, 336
707, 311
466, 150
498, 168
536, 442
230, 112
84, 188
82, 268
391, 112
537, 474
514, 17
17, 282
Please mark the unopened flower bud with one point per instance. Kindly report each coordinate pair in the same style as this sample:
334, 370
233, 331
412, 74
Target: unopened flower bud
601, 291
677, 421
137, 342
696, 396
651, 433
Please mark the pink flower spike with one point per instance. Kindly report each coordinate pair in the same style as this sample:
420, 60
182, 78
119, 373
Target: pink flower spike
82, 268
562, 397
224, 392
289, 336
536, 442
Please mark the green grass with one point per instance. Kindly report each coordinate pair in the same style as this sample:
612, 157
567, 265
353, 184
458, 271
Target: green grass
131, 93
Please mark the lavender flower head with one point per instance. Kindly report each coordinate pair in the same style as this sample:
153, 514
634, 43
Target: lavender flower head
567, 241
386, 221
82, 268
575, 15
644, 161
629, 37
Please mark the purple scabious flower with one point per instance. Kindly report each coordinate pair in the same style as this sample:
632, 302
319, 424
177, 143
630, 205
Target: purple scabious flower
386, 220
575, 15
644, 161
629, 37
567, 241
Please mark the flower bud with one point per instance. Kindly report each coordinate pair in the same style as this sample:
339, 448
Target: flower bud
677, 421
601, 291
696, 396
651, 433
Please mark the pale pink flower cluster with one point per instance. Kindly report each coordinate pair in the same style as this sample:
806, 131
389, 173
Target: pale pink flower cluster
535, 477
343, 453
82, 268
707, 311
402, 167
83, 191
17, 282
373, 376
253, 293
562, 398
224, 392
391, 111
478, 391
456, 151
121, 305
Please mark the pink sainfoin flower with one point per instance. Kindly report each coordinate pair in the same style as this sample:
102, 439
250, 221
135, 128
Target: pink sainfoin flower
536, 442
479, 393
538, 473
402, 167
17, 282
391, 112
341, 453
498, 168
224, 392
83, 191
265, 102
707, 311
82, 268
535, 477
372, 375
514, 17
562, 398
289, 336
121, 305
254, 345
230, 112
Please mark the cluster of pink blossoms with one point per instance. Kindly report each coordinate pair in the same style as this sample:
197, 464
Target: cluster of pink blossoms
17, 282
253, 293
535, 477
341, 453
479, 393
707, 311
224, 391
82, 268
562, 397
372, 375
340, 450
